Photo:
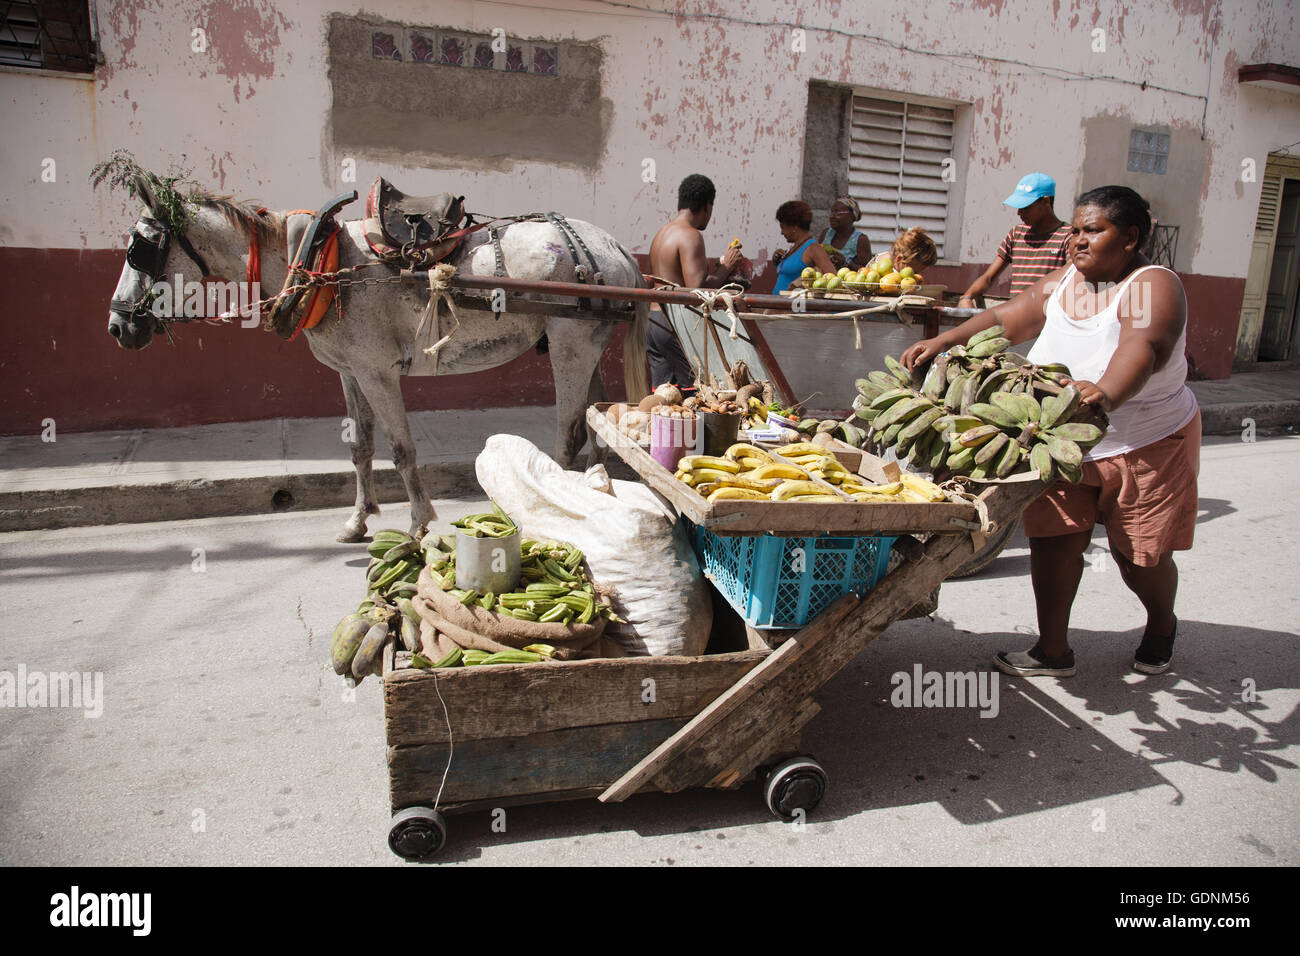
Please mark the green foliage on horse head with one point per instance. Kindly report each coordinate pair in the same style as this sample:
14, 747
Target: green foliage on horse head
169, 197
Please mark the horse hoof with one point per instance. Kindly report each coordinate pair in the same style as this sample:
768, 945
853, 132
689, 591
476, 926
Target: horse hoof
349, 536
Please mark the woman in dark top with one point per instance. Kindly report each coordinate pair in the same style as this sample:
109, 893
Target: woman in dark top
853, 247
795, 220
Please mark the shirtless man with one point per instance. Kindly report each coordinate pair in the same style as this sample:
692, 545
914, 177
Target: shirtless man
677, 254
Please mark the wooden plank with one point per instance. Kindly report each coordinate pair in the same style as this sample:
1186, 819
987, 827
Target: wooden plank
795, 670
557, 761
781, 741
788, 518
659, 764
517, 699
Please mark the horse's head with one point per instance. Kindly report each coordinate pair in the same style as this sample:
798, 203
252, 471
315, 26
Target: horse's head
157, 251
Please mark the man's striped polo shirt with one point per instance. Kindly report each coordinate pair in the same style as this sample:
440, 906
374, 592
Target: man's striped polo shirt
1032, 254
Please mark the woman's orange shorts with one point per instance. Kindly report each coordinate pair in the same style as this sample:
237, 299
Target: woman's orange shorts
1146, 498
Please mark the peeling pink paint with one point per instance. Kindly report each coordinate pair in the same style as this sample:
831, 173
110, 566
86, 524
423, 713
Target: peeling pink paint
243, 37
123, 21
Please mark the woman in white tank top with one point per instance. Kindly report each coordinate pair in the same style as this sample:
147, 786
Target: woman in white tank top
1119, 324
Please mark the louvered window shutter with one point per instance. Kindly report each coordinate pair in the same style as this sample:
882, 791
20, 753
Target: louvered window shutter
896, 159
1270, 196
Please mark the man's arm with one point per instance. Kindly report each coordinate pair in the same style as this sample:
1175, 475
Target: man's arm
1152, 316
983, 283
1023, 318
695, 264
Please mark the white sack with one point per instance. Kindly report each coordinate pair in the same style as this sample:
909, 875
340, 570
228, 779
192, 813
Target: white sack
634, 549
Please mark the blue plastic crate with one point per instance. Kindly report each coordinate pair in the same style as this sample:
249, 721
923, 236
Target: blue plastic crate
786, 582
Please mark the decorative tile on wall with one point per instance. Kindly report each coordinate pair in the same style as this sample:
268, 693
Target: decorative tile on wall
425, 45
422, 47
453, 50
383, 46
546, 60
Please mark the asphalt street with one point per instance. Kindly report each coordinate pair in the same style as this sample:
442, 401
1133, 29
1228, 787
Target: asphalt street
226, 738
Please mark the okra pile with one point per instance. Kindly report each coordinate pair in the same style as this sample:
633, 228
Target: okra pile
555, 589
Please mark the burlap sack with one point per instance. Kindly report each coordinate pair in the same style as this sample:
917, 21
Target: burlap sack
472, 627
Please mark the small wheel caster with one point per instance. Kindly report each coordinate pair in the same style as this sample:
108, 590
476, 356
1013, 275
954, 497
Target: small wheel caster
793, 785
417, 833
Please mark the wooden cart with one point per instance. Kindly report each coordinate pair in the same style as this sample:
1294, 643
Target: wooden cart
487, 737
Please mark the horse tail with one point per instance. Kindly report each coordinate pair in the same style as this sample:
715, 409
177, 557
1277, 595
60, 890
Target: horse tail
635, 378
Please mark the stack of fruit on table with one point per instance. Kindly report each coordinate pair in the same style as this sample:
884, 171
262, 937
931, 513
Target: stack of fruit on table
801, 472
553, 588
980, 411
879, 277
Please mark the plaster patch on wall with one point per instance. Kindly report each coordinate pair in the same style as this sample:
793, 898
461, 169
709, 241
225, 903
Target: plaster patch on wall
1173, 197
440, 117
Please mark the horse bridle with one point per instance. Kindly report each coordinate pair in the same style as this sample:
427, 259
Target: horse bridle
148, 256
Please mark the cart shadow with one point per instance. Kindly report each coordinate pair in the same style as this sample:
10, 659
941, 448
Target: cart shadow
1042, 750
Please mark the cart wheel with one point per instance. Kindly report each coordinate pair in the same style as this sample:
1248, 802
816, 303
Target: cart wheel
992, 548
795, 784
417, 833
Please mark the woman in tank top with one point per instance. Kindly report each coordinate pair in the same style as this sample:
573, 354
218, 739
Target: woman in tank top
795, 219
1119, 324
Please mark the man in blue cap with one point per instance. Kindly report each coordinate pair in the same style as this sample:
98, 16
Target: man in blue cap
1034, 248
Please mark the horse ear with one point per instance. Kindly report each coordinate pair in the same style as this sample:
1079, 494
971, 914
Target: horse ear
143, 190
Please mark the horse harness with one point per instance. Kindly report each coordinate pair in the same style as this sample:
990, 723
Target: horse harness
434, 230
146, 253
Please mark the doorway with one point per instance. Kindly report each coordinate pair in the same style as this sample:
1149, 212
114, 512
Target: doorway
1269, 328
1277, 340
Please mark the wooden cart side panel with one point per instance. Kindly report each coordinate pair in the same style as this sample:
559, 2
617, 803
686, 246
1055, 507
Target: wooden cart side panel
515, 700
558, 761
800, 666
782, 740
789, 518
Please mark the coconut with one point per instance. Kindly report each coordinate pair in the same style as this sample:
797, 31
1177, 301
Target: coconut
670, 394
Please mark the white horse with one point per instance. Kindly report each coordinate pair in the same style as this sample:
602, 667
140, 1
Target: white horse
374, 344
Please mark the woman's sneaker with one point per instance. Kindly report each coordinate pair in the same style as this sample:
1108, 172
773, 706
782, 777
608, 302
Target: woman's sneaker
1155, 654
1032, 663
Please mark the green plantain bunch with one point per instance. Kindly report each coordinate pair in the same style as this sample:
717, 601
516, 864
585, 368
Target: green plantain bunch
981, 411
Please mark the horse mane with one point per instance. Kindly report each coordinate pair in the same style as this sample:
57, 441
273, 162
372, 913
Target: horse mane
244, 213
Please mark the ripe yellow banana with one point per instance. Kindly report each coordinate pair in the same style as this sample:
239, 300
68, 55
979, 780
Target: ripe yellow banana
777, 470
708, 461
893, 488
740, 450
928, 490
800, 448
729, 494
788, 489
701, 475
820, 499
745, 481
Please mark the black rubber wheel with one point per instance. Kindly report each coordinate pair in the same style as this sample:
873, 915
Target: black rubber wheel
417, 833
992, 548
795, 784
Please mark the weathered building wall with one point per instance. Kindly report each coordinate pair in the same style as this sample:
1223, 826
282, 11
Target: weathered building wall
712, 86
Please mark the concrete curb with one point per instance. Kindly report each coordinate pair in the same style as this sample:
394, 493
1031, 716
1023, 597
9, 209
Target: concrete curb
182, 500
1228, 418
223, 497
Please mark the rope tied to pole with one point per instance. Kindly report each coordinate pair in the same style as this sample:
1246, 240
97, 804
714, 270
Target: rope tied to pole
895, 306
709, 299
439, 291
